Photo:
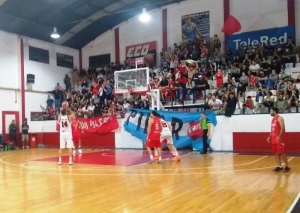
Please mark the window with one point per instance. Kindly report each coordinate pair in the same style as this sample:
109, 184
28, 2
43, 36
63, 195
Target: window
99, 60
63, 60
39, 55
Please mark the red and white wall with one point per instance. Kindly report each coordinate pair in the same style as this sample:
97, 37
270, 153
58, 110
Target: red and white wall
13, 82
240, 133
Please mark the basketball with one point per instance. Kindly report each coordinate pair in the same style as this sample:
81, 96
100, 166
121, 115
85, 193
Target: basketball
149, 60
64, 105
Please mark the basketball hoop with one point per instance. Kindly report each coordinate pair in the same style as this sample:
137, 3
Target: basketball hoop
29, 86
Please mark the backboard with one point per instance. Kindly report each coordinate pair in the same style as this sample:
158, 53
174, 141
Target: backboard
136, 80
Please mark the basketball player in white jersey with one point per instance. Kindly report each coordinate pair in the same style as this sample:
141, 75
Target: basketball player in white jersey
65, 134
166, 136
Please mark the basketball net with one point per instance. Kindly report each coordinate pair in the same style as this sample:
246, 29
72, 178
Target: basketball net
127, 95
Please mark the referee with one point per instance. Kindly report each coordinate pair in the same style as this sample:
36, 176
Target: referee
205, 125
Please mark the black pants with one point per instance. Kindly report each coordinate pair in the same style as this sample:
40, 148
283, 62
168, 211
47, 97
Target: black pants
229, 112
204, 140
101, 103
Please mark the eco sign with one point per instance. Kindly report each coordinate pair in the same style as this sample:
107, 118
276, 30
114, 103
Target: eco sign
263, 36
140, 50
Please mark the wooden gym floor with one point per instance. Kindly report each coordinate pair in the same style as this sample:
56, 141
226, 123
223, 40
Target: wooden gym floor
31, 181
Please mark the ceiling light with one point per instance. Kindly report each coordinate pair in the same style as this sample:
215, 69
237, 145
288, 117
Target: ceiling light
55, 33
144, 17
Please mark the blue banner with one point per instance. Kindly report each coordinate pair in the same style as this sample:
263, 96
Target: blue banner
263, 36
186, 129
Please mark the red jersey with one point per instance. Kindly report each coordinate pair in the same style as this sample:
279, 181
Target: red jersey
219, 78
154, 134
249, 103
182, 69
275, 130
95, 88
76, 127
252, 80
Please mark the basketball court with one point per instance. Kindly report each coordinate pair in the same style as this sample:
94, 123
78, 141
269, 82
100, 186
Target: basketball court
123, 181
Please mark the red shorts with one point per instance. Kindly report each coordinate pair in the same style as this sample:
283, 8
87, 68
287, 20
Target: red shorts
278, 148
76, 138
153, 144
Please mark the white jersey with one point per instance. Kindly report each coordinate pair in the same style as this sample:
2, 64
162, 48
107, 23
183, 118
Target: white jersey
165, 126
65, 124
166, 133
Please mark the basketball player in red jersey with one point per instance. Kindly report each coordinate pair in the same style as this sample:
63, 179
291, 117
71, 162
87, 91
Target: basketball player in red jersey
277, 131
76, 135
153, 136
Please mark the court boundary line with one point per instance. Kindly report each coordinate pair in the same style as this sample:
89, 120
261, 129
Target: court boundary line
294, 203
198, 168
132, 174
138, 174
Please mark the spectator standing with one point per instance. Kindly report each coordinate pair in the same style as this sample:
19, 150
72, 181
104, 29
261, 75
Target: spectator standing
190, 85
13, 132
102, 93
216, 42
217, 58
230, 105
50, 101
179, 90
57, 96
67, 81
25, 137
204, 54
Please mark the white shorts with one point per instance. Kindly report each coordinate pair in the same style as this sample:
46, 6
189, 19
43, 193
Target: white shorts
66, 140
166, 135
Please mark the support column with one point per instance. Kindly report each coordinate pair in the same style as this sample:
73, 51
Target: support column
226, 9
80, 61
117, 45
291, 12
22, 80
165, 29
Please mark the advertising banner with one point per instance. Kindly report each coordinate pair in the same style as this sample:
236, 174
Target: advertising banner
97, 125
263, 36
138, 51
186, 129
194, 26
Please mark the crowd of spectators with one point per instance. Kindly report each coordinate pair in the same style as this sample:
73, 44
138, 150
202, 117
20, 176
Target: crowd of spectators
184, 73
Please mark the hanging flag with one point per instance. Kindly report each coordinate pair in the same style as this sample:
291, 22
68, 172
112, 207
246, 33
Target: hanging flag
232, 25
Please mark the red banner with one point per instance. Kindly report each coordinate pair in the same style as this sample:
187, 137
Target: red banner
140, 50
97, 125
